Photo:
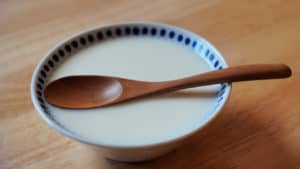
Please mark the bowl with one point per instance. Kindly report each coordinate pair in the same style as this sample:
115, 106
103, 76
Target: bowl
79, 41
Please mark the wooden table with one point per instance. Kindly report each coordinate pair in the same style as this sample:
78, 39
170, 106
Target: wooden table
258, 129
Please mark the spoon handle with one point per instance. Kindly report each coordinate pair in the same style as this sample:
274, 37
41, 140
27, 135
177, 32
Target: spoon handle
232, 74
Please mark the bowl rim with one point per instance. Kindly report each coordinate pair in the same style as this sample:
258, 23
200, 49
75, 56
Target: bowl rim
78, 138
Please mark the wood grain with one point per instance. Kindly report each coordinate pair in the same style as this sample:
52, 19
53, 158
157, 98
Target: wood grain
259, 127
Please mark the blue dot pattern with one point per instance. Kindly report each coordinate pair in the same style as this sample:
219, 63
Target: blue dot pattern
207, 52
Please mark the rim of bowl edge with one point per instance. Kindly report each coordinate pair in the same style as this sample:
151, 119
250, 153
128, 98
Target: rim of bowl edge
78, 138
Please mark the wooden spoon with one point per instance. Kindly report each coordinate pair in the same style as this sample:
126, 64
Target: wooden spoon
94, 91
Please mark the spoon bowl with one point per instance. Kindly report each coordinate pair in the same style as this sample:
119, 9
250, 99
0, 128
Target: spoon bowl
97, 90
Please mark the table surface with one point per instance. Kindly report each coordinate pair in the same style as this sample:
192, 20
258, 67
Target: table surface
259, 127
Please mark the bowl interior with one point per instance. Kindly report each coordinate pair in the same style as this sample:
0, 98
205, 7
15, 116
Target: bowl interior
77, 42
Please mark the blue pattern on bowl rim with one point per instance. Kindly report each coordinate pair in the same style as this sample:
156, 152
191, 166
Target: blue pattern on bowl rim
96, 35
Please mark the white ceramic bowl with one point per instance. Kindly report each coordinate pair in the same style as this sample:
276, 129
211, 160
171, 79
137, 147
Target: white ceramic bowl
89, 37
